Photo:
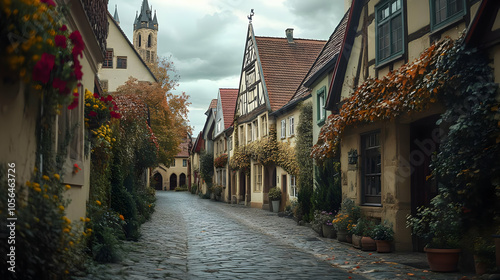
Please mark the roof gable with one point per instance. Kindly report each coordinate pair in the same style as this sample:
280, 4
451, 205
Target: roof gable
284, 65
228, 98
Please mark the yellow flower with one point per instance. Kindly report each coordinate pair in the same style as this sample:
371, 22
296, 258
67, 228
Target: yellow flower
28, 183
61, 207
46, 196
71, 243
67, 187
122, 218
57, 177
96, 106
66, 230
38, 189
82, 219
45, 177
87, 220
98, 202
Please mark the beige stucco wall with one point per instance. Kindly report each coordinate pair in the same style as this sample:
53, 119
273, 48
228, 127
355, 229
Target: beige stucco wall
121, 47
178, 169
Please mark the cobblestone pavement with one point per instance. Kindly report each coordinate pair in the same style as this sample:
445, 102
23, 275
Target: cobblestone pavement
193, 238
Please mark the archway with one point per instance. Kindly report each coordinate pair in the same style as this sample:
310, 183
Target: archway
158, 181
182, 180
173, 182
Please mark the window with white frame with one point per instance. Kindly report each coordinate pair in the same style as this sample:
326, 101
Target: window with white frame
230, 143
255, 130
263, 123
184, 163
249, 133
242, 135
291, 123
320, 106
283, 128
258, 177
293, 186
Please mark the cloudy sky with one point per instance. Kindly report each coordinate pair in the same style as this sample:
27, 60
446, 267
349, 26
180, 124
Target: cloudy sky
206, 38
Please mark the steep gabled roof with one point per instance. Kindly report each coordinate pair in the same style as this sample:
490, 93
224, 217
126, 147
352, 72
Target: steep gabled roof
199, 143
325, 60
228, 98
183, 148
480, 33
284, 65
131, 46
213, 105
353, 17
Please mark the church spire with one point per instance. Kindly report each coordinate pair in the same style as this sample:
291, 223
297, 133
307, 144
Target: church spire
115, 17
145, 19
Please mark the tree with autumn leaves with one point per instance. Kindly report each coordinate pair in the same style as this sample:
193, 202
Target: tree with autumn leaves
167, 111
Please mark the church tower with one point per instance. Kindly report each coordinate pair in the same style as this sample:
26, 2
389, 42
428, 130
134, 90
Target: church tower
146, 33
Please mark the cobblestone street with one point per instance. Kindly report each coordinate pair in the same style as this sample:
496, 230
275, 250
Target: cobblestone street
193, 238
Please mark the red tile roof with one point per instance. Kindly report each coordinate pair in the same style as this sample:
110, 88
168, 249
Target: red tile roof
184, 148
285, 65
228, 98
213, 105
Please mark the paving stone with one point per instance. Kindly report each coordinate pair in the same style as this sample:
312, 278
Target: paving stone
193, 238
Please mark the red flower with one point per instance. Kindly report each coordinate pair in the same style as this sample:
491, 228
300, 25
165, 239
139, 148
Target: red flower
73, 105
63, 28
96, 95
93, 114
60, 41
60, 85
41, 71
78, 70
115, 115
109, 98
49, 2
78, 44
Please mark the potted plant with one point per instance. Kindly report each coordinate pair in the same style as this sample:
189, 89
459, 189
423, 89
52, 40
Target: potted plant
383, 234
275, 197
484, 254
439, 225
357, 231
217, 190
342, 223
327, 226
367, 243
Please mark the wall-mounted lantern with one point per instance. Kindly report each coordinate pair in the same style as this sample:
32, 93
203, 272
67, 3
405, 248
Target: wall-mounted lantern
352, 156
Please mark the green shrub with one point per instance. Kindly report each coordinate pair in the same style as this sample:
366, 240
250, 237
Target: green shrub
194, 188
274, 194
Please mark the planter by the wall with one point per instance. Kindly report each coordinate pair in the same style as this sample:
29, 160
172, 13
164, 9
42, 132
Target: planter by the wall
356, 241
342, 235
329, 231
383, 246
368, 244
276, 205
443, 260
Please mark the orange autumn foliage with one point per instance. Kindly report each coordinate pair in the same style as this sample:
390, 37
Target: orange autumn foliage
402, 91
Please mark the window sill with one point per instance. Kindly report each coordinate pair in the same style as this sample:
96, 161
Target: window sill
389, 60
320, 122
447, 24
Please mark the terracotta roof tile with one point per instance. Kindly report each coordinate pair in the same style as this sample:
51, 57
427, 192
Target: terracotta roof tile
228, 98
184, 148
213, 105
285, 65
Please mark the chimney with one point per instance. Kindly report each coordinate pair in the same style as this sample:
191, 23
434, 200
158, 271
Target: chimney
289, 35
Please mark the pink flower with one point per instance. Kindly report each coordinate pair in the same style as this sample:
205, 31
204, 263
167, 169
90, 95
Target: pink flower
42, 69
63, 28
60, 41
78, 44
49, 2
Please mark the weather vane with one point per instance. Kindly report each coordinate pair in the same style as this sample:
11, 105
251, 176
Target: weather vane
250, 16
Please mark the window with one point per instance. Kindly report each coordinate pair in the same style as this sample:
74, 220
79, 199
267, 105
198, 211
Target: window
242, 135
283, 129
121, 62
108, 59
184, 163
148, 56
389, 21
293, 185
149, 41
263, 123
230, 143
249, 133
444, 12
173, 163
371, 168
139, 39
321, 106
255, 130
292, 126
258, 177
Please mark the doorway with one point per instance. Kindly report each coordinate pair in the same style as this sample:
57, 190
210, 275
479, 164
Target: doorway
284, 191
424, 142
173, 182
158, 181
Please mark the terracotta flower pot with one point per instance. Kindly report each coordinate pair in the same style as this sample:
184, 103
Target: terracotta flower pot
443, 260
383, 246
368, 244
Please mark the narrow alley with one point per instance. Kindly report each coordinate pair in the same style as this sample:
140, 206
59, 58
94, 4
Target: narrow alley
193, 238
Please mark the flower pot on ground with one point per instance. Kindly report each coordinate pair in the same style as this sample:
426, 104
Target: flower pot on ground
342, 235
443, 260
383, 234
356, 241
440, 226
329, 231
484, 254
368, 244
275, 197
